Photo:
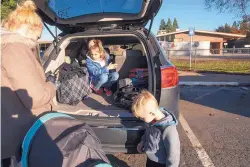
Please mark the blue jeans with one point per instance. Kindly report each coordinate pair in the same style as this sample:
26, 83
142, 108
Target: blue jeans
105, 80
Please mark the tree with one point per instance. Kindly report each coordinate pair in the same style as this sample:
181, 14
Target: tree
6, 7
235, 24
169, 27
227, 28
235, 28
245, 27
220, 29
175, 24
162, 25
239, 7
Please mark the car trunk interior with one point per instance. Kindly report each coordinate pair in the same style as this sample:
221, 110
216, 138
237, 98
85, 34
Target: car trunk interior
126, 51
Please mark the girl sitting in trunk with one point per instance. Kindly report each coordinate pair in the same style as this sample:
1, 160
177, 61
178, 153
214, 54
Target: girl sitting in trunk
99, 68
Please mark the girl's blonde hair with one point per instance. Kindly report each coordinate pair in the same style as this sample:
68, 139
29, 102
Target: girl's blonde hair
24, 14
94, 43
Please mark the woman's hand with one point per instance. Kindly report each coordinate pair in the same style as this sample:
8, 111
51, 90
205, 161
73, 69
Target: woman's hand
112, 66
139, 147
55, 101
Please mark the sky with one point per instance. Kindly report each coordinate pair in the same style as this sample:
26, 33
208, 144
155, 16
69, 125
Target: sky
188, 14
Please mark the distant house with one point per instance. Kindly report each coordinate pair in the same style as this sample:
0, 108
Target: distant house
214, 40
43, 46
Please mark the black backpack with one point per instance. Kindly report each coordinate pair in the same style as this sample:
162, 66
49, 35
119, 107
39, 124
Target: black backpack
125, 96
74, 84
127, 91
58, 140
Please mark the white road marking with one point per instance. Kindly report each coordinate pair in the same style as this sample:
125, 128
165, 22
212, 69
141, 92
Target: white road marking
244, 88
202, 154
201, 83
206, 94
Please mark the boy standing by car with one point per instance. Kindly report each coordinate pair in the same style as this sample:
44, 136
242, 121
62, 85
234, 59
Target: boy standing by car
161, 140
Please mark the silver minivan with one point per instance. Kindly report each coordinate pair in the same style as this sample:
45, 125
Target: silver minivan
117, 23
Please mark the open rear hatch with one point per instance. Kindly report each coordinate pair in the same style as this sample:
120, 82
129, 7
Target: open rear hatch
78, 15
117, 132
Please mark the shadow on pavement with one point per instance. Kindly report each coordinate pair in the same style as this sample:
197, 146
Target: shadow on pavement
234, 100
16, 120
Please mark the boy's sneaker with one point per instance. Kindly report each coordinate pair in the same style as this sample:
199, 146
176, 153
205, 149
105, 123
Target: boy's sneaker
108, 92
97, 91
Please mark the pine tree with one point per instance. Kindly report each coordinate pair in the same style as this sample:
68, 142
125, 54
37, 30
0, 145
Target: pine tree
235, 24
241, 27
162, 25
175, 24
169, 27
234, 28
220, 29
227, 28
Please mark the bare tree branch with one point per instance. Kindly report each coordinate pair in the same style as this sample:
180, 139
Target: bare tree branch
239, 7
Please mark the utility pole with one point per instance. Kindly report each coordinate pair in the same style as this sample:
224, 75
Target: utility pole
191, 33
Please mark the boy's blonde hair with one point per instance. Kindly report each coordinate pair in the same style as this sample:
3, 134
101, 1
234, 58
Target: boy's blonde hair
141, 100
94, 43
24, 14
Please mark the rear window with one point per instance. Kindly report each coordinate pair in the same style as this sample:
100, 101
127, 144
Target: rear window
115, 49
69, 9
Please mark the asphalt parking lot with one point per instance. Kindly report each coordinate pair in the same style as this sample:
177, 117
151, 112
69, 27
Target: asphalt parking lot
214, 129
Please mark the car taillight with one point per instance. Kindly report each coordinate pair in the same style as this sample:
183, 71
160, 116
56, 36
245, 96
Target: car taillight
169, 77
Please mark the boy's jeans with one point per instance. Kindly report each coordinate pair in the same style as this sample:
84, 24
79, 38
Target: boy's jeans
105, 80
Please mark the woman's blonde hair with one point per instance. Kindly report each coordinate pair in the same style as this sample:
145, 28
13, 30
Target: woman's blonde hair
94, 43
24, 14
140, 101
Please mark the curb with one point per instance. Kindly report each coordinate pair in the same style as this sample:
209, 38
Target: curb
202, 83
214, 72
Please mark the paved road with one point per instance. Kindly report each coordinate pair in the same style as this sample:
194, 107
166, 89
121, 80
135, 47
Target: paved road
219, 117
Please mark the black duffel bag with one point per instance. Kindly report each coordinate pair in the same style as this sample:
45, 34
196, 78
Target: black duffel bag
74, 84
